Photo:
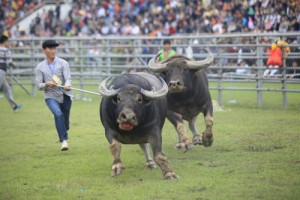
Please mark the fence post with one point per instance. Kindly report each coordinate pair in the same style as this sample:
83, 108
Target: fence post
259, 82
108, 58
32, 67
283, 80
81, 68
220, 97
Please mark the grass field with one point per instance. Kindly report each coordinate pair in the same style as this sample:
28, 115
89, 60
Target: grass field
255, 155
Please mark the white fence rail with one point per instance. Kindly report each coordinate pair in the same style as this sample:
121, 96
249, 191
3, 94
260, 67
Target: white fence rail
92, 59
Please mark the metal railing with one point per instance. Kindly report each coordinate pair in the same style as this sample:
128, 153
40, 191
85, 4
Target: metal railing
93, 59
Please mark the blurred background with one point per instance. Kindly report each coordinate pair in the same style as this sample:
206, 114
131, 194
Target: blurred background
107, 38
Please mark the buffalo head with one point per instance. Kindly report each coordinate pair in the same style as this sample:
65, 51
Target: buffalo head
131, 101
178, 71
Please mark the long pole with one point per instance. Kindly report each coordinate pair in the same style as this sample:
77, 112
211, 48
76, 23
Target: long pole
80, 90
14, 78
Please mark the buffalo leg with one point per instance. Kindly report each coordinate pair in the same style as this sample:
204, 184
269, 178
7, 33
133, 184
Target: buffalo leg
184, 142
161, 159
149, 162
117, 167
196, 136
207, 136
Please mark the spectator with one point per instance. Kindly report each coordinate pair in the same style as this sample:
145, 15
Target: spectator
146, 50
243, 68
294, 71
166, 52
275, 58
57, 11
274, 61
244, 51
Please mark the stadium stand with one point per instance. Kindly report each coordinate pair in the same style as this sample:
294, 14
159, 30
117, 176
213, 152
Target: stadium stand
156, 17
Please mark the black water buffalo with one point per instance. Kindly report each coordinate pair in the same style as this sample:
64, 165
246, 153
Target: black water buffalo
188, 96
133, 111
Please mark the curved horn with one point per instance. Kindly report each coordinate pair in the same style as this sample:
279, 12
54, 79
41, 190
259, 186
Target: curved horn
104, 91
156, 94
201, 64
157, 67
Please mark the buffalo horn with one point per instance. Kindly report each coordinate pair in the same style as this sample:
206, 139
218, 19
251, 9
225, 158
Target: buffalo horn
157, 67
201, 64
156, 94
104, 91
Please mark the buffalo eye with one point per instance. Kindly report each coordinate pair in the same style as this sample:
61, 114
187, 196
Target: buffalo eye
184, 69
139, 99
118, 98
164, 74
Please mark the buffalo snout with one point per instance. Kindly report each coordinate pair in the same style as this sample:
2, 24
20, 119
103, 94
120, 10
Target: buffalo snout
127, 116
127, 119
175, 86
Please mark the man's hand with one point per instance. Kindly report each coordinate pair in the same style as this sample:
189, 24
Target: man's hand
67, 88
51, 84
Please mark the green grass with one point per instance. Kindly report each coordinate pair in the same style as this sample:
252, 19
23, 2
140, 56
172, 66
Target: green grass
255, 155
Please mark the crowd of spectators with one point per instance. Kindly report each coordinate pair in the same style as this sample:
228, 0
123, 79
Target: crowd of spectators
12, 10
158, 17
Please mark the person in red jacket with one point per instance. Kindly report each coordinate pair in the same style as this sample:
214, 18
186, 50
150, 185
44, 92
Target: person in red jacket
275, 59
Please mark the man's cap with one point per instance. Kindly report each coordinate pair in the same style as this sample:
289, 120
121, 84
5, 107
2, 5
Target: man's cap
50, 43
3, 38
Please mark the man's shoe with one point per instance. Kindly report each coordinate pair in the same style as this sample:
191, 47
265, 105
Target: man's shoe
64, 145
18, 107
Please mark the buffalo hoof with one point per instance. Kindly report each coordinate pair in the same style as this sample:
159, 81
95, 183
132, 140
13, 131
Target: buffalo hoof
180, 145
207, 142
150, 165
184, 147
170, 176
197, 140
117, 169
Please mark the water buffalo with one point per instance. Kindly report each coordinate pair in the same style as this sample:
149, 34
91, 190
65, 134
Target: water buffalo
188, 96
133, 111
